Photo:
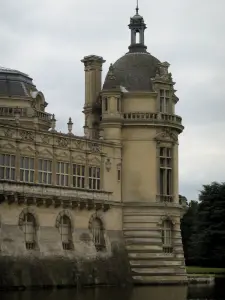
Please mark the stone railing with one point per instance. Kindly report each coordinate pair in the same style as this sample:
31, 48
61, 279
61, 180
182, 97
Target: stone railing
12, 111
164, 198
43, 115
155, 117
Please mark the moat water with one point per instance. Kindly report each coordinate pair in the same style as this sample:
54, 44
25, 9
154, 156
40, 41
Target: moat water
138, 293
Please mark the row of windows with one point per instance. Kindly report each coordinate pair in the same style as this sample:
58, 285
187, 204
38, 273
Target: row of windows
45, 172
164, 102
97, 231
29, 227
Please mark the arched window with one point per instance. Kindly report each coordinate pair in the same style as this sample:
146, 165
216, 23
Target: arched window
167, 230
29, 229
97, 231
65, 230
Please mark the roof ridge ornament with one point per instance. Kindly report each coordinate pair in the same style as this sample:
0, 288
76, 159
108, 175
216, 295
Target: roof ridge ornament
111, 74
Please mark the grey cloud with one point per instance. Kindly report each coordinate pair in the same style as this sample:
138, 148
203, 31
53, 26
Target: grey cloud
48, 38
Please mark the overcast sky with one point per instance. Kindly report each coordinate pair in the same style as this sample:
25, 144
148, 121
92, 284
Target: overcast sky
47, 39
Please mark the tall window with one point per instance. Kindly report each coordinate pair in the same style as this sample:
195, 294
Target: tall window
94, 178
118, 104
105, 104
79, 176
65, 230
167, 229
45, 171
7, 166
26, 169
164, 101
29, 229
62, 174
165, 158
97, 231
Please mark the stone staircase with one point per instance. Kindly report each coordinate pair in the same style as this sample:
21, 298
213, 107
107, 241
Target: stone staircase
149, 264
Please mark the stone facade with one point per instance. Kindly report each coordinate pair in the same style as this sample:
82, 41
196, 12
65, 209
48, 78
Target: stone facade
102, 208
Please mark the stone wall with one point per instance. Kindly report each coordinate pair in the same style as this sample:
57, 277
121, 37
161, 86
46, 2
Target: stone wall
69, 269
48, 264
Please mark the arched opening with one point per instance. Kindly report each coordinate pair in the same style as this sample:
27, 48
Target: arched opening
97, 231
167, 238
29, 229
137, 37
65, 230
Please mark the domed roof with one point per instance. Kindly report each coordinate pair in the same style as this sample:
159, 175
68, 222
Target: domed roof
133, 71
15, 83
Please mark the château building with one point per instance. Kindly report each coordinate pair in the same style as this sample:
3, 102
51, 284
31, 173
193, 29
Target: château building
102, 207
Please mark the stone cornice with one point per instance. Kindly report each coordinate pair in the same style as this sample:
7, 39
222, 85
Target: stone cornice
139, 94
39, 195
53, 139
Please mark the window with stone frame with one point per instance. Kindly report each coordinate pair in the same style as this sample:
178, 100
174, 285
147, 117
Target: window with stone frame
97, 231
164, 101
165, 180
29, 229
94, 178
62, 173
26, 169
44, 171
167, 239
7, 166
79, 176
65, 229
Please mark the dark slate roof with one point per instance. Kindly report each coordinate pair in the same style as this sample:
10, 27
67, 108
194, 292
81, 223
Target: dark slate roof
15, 83
133, 71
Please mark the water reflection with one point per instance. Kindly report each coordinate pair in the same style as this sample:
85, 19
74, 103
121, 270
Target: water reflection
137, 293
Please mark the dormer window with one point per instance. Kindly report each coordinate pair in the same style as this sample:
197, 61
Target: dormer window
164, 101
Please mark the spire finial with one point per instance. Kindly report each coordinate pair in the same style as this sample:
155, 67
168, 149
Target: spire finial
137, 8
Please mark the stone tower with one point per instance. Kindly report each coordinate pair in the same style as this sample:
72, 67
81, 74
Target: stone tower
136, 110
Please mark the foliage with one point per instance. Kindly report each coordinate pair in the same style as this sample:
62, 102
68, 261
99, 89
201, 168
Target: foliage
203, 228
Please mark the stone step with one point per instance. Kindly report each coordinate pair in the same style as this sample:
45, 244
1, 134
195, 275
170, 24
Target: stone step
141, 234
144, 248
139, 240
157, 279
155, 263
157, 271
132, 229
152, 255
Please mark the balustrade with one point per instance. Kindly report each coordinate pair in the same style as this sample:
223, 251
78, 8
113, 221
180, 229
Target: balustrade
156, 117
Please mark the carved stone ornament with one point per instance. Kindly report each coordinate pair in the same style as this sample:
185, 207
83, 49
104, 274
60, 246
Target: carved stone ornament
108, 165
45, 139
165, 136
166, 217
27, 135
62, 142
94, 147
79, 144
8, 133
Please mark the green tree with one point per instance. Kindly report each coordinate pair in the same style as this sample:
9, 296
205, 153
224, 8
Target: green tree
188, 229
205, 245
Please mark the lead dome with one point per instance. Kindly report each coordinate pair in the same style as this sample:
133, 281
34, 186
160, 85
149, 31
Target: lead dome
134, 70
